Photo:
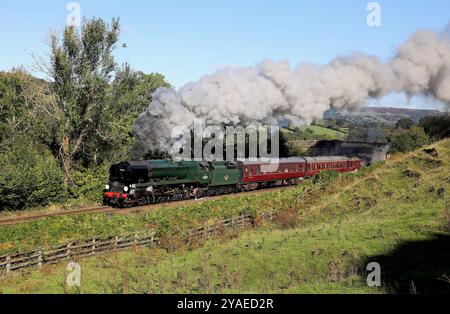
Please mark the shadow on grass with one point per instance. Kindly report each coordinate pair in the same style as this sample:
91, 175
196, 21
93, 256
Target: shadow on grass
417, 267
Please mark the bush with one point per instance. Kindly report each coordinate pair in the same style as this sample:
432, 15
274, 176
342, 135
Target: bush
437, 127
30, 176
408, 140
287, 219
325, 177
405, 123
88, 184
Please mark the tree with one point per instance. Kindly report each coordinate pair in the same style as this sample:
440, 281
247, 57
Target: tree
23, 99
437, 127
408, 140
405, 123
131, 95
30, 175
81, 68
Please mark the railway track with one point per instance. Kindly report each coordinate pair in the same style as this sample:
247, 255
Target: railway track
17, 219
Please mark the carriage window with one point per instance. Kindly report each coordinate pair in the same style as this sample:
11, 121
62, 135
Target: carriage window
258, 171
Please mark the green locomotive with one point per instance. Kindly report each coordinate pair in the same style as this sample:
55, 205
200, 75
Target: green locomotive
155, 181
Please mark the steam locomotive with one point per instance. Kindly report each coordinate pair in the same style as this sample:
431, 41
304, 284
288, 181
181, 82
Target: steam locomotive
134, 183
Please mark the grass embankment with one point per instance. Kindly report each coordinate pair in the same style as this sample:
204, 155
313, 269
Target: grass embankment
165, 220
394, 214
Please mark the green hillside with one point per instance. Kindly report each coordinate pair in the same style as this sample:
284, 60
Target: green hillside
314, 132
395, 214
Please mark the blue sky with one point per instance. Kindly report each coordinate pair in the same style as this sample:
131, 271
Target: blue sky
186, 39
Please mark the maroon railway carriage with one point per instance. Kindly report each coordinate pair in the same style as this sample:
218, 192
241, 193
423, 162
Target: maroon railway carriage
291, 170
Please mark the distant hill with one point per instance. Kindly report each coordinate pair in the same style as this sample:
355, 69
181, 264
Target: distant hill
414, 114
385, 115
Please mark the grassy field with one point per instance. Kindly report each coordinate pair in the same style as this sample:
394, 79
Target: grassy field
395, 214
326, 132
315, 132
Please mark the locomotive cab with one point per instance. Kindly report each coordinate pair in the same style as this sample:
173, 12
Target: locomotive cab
129, 172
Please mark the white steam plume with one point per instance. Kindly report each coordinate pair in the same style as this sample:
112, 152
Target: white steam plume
273, 93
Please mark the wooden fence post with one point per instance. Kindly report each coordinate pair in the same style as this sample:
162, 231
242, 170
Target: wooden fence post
93, 246
152, 239
68, 253
205, 230
117, 242
135, 239
8, 264
40, 259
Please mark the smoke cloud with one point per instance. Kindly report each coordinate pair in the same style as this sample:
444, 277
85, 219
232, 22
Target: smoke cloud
274, 93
